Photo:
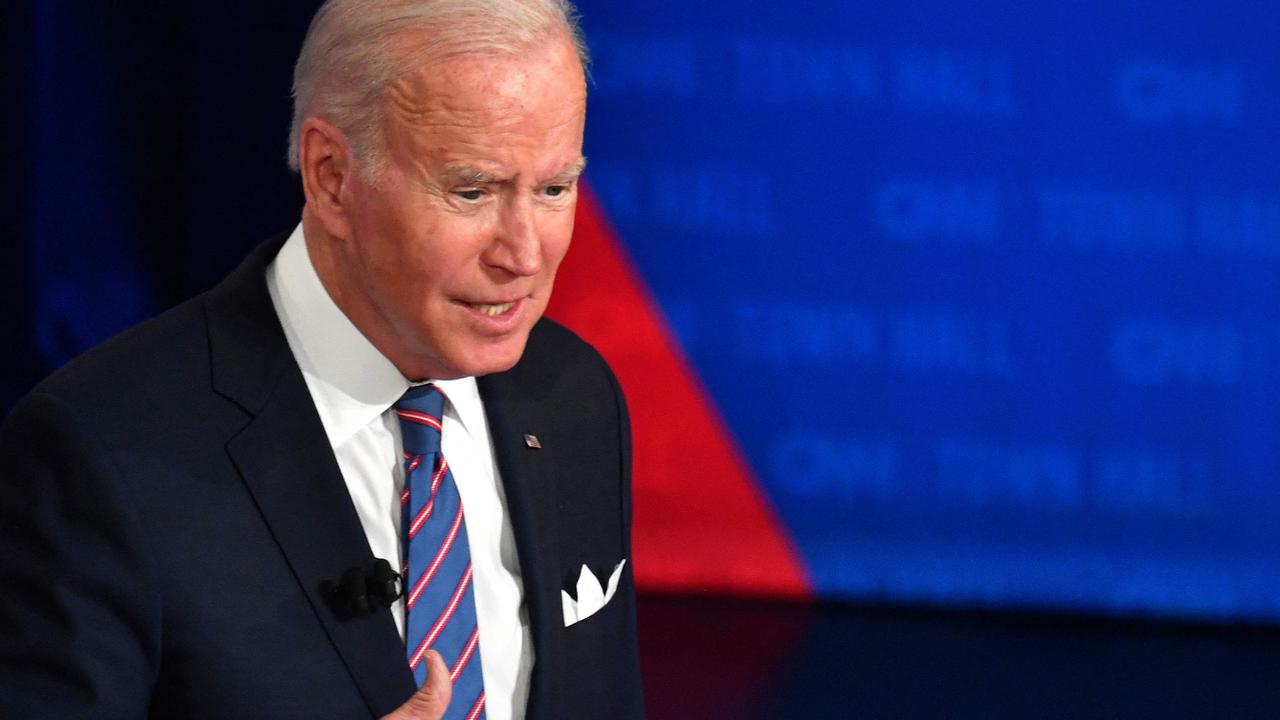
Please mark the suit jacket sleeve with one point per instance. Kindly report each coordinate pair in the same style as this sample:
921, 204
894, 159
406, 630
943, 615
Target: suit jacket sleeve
631, 662
79, 614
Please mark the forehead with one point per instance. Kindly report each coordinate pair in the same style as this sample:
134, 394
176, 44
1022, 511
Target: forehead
538, 88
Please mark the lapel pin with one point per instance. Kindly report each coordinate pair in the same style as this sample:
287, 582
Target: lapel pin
531, 441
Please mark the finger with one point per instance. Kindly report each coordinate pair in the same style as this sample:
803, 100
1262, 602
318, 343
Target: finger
432, 699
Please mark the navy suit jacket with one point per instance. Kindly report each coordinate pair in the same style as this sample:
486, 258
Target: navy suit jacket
171, 516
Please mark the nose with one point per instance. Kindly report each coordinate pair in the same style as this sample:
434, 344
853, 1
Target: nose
516, 247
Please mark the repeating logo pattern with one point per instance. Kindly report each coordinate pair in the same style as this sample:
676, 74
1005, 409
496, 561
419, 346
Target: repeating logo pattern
1003, 283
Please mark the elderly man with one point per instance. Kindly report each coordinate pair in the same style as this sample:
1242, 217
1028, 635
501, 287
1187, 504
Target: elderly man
191, 515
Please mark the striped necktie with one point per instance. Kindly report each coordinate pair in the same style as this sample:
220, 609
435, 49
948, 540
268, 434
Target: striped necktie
440, 607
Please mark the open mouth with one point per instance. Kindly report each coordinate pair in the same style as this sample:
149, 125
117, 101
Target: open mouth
492, 309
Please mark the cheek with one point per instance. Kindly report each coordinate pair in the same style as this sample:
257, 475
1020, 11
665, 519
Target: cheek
403, 278
415, 258
391, 271
382, 246
557, 243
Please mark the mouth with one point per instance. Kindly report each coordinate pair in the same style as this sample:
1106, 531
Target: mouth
494, 310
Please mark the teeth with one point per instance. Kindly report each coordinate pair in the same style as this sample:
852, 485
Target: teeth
492, 310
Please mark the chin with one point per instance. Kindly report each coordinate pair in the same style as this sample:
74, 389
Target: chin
495, 358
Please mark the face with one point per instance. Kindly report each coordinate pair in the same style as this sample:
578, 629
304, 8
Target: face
454, 248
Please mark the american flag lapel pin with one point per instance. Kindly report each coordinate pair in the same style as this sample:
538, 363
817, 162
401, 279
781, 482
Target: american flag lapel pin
531, 441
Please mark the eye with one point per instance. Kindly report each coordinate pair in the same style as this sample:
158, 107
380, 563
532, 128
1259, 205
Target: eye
469, 195
556, 191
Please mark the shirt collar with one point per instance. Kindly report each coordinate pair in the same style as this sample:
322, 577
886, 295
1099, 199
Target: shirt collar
351, 382
465, 403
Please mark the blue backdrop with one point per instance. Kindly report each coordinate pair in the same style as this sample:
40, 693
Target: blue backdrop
986, 291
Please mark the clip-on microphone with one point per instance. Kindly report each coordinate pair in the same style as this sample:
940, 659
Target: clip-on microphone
355, 595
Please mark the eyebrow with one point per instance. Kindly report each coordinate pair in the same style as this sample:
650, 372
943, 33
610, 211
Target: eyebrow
468, 175
570, 172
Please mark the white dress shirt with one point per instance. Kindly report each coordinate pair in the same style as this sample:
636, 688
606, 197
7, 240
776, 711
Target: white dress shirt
353, 387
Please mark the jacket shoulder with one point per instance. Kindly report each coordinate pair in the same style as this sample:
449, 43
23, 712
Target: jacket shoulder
551, 343
168, 350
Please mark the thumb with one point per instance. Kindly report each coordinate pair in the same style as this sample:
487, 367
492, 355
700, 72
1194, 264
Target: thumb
431, 700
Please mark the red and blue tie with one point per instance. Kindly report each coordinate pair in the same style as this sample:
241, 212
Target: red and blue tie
440, 606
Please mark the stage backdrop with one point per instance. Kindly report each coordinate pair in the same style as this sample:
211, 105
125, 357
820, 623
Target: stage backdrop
984, 294
920, 302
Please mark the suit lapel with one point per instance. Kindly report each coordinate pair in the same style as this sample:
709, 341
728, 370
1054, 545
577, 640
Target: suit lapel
528, 479
288, 466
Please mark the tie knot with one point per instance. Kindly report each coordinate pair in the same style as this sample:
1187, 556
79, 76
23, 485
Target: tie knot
424, 399
420, 410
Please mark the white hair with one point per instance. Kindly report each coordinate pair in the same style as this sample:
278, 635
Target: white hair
354, 49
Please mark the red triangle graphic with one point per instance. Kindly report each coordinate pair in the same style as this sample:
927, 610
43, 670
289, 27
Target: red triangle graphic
701, 522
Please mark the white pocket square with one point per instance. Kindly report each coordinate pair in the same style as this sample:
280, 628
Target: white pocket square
591, 596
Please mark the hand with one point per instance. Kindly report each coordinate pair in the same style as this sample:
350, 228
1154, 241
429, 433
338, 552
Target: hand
431, 700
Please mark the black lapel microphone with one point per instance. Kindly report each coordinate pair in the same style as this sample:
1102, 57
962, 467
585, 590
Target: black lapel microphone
355, 595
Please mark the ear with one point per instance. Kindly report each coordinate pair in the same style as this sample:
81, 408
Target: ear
328, 174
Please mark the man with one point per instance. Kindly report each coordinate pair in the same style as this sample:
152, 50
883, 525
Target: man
191, 513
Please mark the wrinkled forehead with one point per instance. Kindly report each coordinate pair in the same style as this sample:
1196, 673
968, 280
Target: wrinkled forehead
425, 51
544, 81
